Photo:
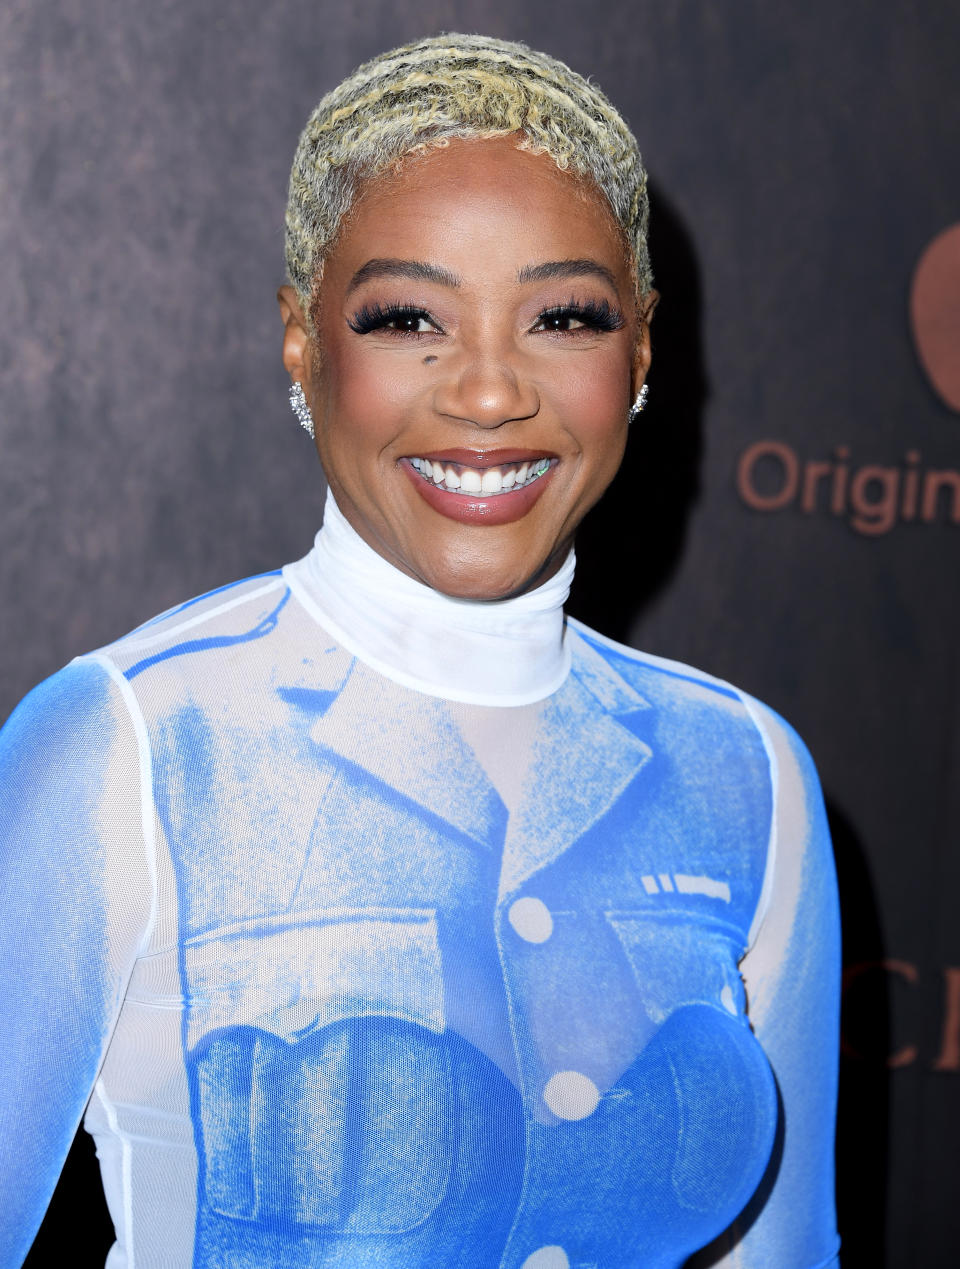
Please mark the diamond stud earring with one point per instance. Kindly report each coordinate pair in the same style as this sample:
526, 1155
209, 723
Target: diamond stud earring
298, 404
640, 402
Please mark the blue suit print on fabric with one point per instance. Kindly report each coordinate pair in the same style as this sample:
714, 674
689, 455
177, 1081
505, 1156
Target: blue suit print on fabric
355, 1013
262, 628
53, 938
316, 999
373, 1134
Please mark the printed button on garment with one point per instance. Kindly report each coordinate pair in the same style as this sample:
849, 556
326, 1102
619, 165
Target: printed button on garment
531, 919
547, 1258
571, 1095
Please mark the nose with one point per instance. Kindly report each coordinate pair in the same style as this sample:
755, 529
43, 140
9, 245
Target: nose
486, 389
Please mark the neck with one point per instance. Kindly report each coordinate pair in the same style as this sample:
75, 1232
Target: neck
493, 652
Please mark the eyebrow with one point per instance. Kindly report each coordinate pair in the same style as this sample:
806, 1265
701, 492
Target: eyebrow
551, 269
418, 270
421, 271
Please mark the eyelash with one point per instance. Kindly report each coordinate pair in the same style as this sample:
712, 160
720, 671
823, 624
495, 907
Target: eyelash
376, 317
594, 316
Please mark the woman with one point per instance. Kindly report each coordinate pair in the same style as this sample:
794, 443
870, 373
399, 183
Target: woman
376, 914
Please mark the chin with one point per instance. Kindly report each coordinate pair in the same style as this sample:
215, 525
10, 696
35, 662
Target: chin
481, 592
488, 581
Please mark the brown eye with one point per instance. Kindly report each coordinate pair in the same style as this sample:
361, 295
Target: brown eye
559, 321
410, 324
572, 318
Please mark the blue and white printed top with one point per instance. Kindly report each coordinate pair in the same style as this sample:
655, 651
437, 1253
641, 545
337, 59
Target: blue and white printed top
348, 969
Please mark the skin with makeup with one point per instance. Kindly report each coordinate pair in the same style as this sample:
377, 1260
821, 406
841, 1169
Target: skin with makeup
371, 912
470, 359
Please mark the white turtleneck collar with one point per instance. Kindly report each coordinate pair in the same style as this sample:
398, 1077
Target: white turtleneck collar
503, 652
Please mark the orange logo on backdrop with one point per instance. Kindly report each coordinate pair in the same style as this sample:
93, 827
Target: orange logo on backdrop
935, 314
873, 497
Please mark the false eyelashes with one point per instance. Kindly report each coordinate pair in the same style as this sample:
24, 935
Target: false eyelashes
377, 316
595, 315
592, 315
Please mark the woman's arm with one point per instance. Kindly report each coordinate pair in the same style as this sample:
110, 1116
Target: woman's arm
75, 899
792, 979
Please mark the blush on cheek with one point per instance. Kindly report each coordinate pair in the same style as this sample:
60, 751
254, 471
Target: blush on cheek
368, 394
595, 406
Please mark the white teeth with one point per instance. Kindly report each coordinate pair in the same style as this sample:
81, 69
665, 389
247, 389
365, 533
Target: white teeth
486, 480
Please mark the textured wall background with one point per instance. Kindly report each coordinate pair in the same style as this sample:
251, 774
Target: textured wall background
803, 157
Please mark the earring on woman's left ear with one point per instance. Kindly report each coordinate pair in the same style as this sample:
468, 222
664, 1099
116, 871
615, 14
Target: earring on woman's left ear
639, 403
298, 403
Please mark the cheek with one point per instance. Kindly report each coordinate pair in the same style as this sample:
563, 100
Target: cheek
366, 393
593, 400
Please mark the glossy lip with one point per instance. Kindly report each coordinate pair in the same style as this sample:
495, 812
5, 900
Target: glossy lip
502, 508
482, 459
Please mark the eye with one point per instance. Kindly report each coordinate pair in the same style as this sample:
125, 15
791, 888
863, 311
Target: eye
561, 320
593, 316
411, 323
399, 319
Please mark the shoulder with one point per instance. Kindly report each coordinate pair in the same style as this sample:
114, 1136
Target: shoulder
69, 747
661, 676
234, 613
707, 709
70, 708
89, 692
227, 649
664, 683
93, 701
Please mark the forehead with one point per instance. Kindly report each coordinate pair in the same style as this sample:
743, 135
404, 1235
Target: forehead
480, 204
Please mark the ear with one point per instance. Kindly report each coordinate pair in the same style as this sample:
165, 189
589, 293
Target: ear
296, 337
641, 351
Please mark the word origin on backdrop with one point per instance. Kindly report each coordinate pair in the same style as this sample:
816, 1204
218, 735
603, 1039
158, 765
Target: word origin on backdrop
771, 476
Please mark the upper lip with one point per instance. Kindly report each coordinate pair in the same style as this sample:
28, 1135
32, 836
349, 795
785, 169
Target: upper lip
483, 458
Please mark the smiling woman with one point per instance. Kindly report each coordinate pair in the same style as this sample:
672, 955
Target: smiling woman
376, 913
477, 322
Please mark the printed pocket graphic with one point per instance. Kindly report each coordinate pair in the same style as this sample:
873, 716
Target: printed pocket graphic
320, 1073
702, 1068
291, 975
678, 962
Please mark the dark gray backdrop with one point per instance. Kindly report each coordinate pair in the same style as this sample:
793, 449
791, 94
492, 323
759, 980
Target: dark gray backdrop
803, 156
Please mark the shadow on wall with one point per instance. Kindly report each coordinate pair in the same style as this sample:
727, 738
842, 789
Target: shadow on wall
631, 543
864, 1103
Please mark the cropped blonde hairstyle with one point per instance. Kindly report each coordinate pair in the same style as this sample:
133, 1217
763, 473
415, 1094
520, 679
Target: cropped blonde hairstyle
466, 86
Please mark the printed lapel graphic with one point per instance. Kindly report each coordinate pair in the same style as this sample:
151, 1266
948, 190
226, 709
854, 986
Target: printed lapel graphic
442, 778
584, 761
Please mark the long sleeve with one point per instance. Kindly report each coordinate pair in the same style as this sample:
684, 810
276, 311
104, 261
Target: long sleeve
792, 978
75, 896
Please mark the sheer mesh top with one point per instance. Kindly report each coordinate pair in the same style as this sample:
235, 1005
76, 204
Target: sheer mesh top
348, 973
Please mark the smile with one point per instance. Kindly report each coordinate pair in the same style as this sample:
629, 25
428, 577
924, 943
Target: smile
486, 481
482, 487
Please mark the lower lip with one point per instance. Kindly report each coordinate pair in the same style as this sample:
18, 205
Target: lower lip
502, 508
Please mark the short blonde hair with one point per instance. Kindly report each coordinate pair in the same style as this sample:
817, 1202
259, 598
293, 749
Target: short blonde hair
465, 86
